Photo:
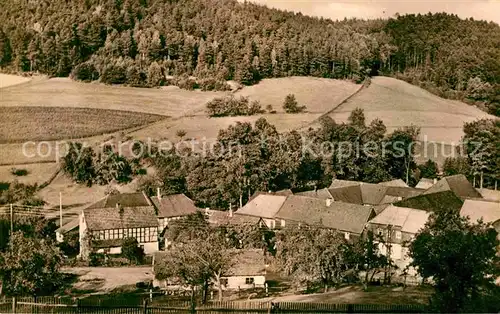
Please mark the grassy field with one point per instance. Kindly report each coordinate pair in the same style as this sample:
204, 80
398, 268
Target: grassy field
11, 80
356, 295
63, 92
399, 104
18, 124
37, 173
317, 94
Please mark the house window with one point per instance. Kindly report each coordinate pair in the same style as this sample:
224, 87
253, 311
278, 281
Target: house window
380, 232
272, 224
347, 235
282, 222
223, 282
106, 234
249, 281
398, 235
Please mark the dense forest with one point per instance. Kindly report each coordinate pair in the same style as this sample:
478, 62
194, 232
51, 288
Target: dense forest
195, 43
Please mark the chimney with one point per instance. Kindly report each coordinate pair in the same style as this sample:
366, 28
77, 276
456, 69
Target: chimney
230, 210
435, 181
158, 193
328, 202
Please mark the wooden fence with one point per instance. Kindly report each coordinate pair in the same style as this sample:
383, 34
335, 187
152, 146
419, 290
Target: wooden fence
54, 305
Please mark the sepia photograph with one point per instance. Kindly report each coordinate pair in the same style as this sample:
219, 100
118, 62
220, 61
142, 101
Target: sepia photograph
249, 156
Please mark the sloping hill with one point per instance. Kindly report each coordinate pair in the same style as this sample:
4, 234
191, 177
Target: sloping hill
400, 104
63, 92
317, 94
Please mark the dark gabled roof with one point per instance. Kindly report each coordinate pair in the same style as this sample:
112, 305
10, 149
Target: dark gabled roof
404, 192
337, 215
321, 193
372, 194
175, 205
336, 183
219, 217
458, 184
114, 218
125, 199
434, 202
347, 194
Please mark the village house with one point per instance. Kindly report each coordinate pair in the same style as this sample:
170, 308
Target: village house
356, 192
397, 226
264, 207
458, 184
275, 211
104, 224
171, 207
247, 271
102, 230
349, 219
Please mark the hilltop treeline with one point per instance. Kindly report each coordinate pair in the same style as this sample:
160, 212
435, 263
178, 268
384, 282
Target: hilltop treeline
155, 42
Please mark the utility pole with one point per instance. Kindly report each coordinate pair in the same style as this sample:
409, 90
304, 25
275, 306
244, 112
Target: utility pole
11, 219
60, 210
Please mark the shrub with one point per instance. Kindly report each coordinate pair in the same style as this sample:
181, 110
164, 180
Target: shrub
155, 75
135, 77
96, 259
212, 84
19, 172
291, 105
132, 251
85, 72
230, 106
114, 74
185, 82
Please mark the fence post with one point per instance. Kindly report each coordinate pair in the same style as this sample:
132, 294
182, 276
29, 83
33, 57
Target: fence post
14, 305
145, 306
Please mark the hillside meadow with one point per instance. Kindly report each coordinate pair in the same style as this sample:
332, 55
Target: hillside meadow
38, 173
63, 92
317, 94
400, 104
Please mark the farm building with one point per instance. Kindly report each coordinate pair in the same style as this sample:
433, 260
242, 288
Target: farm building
364, 193
458, 184
170, 207
248, 271
280, 211
115, 217
349, 219
102, 230
397, 225
264, 207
